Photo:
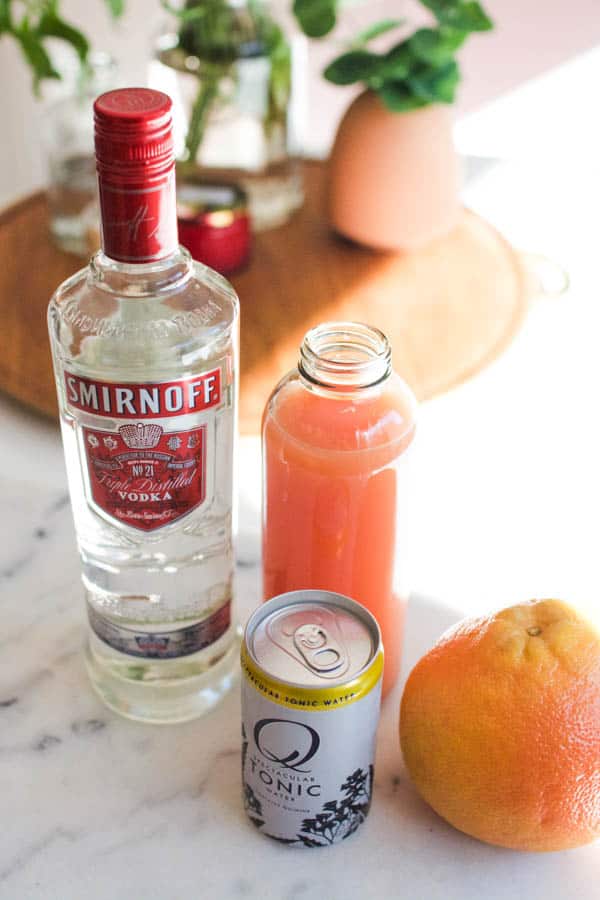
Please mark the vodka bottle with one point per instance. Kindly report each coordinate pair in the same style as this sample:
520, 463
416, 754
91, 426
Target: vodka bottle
145, 350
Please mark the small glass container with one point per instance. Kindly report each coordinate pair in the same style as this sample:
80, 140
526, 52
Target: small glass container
68, 140
229, 73
336, 436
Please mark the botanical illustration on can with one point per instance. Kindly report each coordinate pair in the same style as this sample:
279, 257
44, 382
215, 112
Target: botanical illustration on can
308, 744
329, 821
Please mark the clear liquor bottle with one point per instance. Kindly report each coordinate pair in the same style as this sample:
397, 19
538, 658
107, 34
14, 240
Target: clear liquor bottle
145, 350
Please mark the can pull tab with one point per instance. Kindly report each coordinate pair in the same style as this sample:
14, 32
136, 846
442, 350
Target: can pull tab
320, 652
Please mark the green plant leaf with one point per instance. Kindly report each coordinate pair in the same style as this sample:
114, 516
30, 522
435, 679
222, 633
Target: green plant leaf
5, 19
435, 85
395, 64
467, 17
316, 17
369, 34
116, 7
185, 13
397, 97
51, 25
281, 75
35, 54
436, 45
440, 8
357, 65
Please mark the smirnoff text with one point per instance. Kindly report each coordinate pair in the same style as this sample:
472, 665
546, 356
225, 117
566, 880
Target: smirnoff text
144, 401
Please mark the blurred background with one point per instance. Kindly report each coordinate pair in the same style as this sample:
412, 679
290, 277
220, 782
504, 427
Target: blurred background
531, 39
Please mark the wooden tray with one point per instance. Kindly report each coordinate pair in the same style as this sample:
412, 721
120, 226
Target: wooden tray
448, 309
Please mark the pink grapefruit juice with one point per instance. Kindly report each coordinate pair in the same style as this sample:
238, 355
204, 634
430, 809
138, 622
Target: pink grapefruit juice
333, 497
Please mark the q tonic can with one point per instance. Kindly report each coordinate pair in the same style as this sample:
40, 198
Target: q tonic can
311, 688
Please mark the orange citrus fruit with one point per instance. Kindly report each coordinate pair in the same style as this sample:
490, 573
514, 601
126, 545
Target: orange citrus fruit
500, 727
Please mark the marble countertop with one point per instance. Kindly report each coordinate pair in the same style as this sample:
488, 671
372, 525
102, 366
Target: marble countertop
99, 807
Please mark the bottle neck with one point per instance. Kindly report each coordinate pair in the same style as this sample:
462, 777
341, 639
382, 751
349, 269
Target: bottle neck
345, 356
138, 220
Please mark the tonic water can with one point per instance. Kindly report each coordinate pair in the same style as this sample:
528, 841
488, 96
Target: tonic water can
312, 663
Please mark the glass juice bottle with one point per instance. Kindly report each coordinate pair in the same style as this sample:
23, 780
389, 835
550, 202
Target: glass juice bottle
145, 350
336, 435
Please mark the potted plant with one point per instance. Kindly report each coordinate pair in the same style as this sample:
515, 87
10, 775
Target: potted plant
394, 176
231, 76
33, 24
56, 49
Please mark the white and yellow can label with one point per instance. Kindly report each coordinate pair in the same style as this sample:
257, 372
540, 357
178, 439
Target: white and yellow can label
307, 754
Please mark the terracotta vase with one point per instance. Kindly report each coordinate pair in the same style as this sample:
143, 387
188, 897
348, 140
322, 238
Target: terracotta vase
394, 178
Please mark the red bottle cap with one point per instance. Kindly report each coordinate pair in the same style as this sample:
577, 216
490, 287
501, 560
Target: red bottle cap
133, 132
136, 174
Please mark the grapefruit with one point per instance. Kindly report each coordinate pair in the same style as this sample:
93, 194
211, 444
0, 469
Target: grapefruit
500, 727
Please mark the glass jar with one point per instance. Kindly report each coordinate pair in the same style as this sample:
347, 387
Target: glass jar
335, 438
228, 70
68, 140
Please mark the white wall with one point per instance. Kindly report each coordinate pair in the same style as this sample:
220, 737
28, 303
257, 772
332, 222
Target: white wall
532, 36
21, 163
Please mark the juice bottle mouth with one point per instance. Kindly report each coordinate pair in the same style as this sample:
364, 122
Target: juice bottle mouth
345, 355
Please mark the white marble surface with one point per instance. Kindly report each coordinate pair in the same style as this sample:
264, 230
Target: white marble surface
98, 807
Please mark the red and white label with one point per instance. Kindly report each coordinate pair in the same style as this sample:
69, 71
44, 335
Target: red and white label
140, 473
144, 477
139, 223
144, 401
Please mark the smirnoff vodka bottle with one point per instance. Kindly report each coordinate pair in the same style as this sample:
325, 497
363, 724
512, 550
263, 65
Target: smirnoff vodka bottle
145, 348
